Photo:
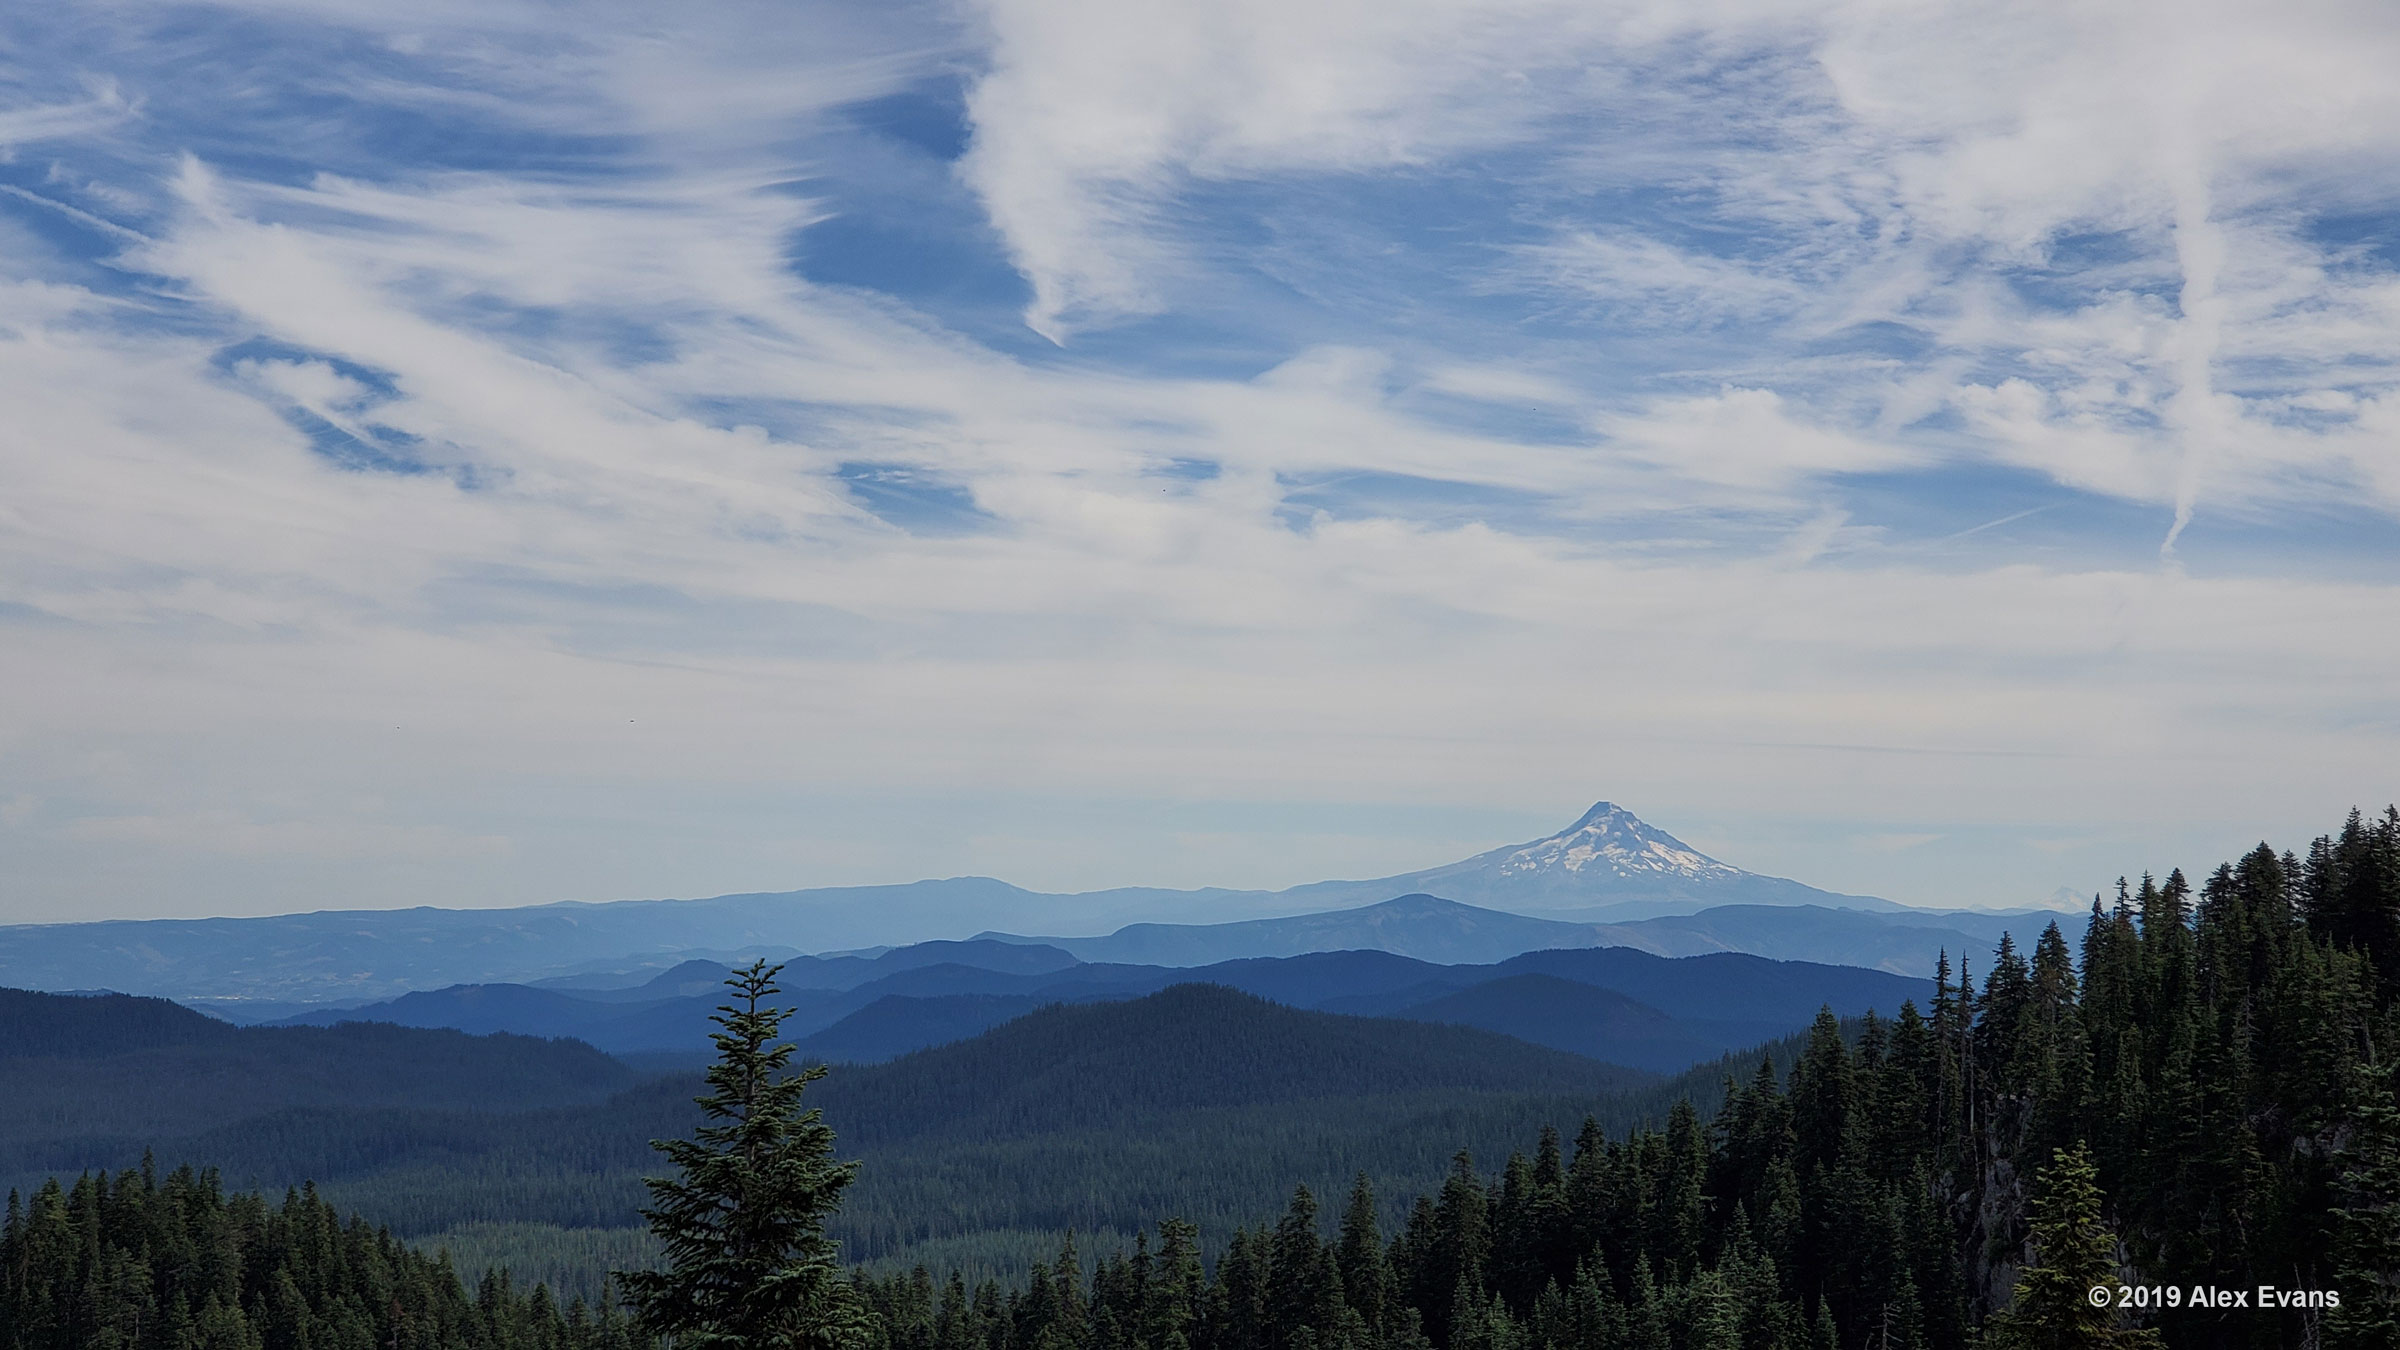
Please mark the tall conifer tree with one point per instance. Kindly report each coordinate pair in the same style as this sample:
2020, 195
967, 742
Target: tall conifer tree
743, 1224
2074, 1254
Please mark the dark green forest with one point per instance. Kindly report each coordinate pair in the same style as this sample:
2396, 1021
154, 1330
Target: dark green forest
2198, 1090
2220, 1063
135, 1262
111, 1066
1092, 1117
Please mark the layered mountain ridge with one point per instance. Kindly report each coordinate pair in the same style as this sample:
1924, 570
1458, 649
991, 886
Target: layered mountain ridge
1613, 1004
1600, 880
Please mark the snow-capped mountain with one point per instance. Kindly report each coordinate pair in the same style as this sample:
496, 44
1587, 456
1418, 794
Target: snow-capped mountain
1609, 865
1611, 841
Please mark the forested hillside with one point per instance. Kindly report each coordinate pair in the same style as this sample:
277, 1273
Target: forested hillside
2221, 1064
862, 1010
1192, 1047
1565, 1015
1092, 1117
2197, 1091
75, 1070
137, 1262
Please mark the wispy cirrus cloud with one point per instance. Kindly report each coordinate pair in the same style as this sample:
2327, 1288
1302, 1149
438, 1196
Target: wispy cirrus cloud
2036, 196
435, 427
102, 106
1653, 280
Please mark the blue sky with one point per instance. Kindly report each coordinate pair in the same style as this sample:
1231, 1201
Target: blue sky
503, 452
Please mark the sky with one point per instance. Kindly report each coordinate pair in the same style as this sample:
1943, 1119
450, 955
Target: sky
501, 452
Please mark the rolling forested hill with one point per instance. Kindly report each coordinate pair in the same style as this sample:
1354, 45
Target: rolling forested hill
863, 1010
1191, 1047
896, 1024
76, 1068
1096, 1117
1564, 1015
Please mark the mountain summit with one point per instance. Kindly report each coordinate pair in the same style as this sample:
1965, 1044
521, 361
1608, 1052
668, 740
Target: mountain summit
1613, 841
1609, 865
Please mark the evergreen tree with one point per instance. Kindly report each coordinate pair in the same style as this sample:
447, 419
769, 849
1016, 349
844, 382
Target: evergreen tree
141, 1262
742, 1226
2367, 1243
1366, 1280
1455, 1252
1171, 1300
2074, 1253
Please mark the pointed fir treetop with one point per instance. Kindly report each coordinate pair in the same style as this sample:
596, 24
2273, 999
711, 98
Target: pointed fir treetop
2074, 1254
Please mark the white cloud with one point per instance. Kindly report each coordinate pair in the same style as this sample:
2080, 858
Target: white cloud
1649, 275
1746, 439
1093, 114
103, 106
1896, 160
1502, 384
634, 604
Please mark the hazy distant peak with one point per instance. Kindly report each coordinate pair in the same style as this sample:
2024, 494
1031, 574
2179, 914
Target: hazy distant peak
1611, 840
1418, 902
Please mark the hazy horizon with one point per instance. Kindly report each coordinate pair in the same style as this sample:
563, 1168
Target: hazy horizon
2065, 899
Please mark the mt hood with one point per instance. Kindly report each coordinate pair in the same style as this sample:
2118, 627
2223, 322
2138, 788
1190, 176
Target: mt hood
1608, 865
